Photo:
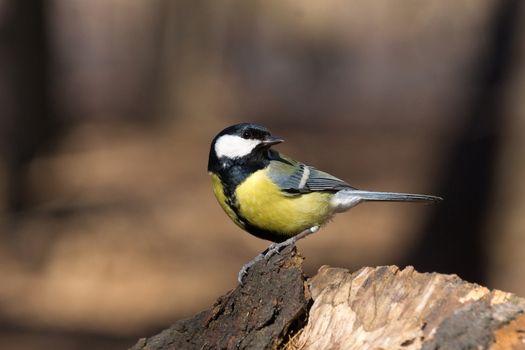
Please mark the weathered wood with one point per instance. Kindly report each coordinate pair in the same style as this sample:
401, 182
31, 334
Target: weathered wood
373, 308
259, 315
389, 308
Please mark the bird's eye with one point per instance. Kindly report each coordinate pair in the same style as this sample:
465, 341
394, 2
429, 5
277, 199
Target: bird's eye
247, 134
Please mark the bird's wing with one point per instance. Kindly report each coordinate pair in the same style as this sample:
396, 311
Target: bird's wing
295, 178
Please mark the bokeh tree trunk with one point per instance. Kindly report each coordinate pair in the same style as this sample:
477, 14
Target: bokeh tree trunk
30, 119
456, 229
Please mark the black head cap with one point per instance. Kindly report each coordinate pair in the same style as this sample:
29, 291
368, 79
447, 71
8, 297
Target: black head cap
247, 131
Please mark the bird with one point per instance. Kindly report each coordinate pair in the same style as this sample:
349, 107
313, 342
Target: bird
274, 197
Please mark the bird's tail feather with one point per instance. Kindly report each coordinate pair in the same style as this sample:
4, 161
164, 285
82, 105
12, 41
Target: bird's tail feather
394, 196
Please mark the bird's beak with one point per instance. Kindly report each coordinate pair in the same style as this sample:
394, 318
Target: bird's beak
271, 140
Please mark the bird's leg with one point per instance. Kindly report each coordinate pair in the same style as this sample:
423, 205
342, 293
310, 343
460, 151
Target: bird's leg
276, 248
273, 249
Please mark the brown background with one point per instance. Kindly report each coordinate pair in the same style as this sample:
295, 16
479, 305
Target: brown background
108, 227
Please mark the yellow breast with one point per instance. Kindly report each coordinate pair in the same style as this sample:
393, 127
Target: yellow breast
264, 205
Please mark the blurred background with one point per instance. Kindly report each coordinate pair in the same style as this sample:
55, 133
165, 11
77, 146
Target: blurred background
109, 230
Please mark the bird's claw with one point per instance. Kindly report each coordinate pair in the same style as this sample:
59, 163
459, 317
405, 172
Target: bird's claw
273, 249
242, 273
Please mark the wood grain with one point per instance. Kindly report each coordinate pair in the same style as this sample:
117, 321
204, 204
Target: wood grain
376, 308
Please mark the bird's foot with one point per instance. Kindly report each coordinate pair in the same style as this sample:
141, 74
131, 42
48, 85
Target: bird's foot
244, 269
274, 248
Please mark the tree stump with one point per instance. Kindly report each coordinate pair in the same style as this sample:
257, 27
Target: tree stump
374, 308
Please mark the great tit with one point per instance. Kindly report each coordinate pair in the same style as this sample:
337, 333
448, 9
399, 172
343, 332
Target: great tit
274, 197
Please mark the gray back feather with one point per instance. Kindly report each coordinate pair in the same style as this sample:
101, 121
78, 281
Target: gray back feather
294, 177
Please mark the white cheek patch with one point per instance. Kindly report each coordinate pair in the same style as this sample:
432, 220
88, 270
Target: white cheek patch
232, 146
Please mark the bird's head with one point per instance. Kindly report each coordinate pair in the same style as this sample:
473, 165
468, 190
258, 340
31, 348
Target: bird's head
240, 143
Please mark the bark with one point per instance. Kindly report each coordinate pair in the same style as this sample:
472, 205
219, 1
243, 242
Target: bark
374, 308
259, 315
